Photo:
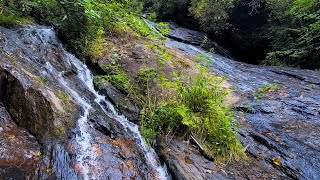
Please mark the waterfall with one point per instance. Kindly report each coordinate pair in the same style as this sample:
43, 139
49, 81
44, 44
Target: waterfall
87, 158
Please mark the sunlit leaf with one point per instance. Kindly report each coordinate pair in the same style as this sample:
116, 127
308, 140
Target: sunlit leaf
277, 161
48, 170
11, 137
266, 133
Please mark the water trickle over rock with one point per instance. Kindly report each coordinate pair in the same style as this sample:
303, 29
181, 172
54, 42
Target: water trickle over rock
49, 92
280, 124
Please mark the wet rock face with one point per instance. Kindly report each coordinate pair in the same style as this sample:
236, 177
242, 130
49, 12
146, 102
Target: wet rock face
193, 37
50, 93
18, 150
279, 127
185, 161
27, 106
125, 106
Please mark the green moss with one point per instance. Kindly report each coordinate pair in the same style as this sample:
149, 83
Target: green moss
9, 20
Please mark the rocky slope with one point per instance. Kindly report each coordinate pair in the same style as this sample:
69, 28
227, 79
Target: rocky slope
54, 125
70, 131
279, 127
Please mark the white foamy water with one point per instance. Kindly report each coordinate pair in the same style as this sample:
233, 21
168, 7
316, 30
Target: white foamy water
87, 157
85, 75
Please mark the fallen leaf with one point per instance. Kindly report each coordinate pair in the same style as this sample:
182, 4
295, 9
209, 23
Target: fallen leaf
277, 161
266, 133
282, 91
48, 170
11, 137
277, 139
270, 91
39, 153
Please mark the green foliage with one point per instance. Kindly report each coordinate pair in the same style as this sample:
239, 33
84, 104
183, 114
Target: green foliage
152, 17
63, 96
162, 55
146, 74
295, 29
163, 28
21, 11
196, 107
164, 8
9, 20
139, 26
204, 59
11, 13
263, 91
118, 78
212, 14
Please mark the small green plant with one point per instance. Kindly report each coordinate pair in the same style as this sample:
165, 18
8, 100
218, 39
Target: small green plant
117, 77
43, 80
205, 59
63, 96
162, 55
263, 91
146, 75
163, 28
138, 25
152, 17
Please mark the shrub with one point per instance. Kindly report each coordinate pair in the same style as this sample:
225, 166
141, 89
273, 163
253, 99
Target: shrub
118, 78
198, 109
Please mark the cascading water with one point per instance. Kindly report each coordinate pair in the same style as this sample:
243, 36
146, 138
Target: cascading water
85, 75
87, 157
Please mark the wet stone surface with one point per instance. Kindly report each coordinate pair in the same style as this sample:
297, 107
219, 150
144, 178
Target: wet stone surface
18, 150
50, 93
279, 127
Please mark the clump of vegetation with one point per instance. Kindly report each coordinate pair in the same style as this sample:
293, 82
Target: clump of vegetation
205, 59
194, 107
10, 14
145, 75
63, 96
163, 28
263, 91
118, 78
9, 20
